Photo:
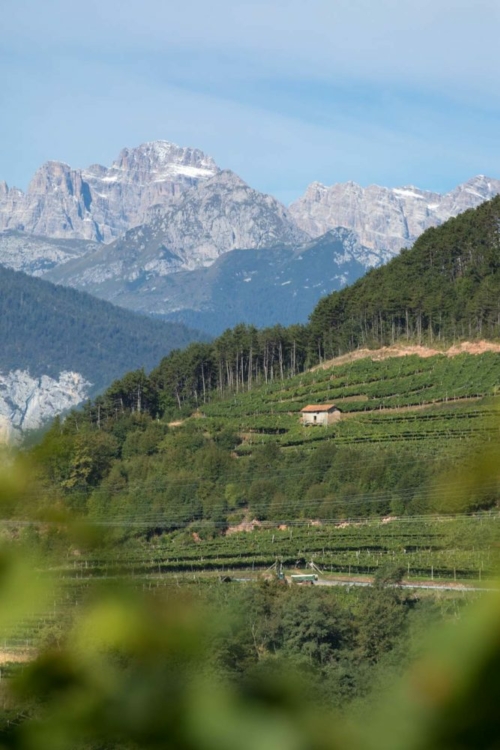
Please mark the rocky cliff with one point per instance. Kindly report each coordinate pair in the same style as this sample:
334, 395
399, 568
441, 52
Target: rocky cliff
385, 219
27, 402
101, 203
60, 346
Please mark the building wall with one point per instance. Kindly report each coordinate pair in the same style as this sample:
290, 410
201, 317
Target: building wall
321, 417
334, 416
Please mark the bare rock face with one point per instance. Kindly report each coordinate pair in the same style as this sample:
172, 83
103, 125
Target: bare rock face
26, 403
385, 219
220, 215
214, 217
99, 203
36, 255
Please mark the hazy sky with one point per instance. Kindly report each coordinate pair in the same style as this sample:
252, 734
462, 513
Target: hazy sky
283, 92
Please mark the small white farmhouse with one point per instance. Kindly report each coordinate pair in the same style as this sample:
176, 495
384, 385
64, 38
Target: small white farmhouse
323, 414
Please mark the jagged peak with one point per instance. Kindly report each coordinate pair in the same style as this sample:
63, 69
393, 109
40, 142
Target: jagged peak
162, 153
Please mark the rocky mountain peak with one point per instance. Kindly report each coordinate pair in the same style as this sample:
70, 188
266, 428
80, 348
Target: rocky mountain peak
385, 219
221, 214
100, 203
56, 177
156, 161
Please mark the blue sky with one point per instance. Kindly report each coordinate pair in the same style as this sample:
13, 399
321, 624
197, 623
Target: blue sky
284, 93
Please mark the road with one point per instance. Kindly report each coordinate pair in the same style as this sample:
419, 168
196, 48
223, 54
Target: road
430, 586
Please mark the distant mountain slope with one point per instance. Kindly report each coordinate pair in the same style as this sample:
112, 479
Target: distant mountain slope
221, 214
446, 287
60, 345
261, 287
386, 219
36, 255
47, 328
100, 203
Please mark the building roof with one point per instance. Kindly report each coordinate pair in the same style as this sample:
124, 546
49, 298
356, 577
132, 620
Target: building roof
318, 407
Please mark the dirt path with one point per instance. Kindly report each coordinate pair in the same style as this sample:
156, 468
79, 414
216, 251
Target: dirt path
16, 656
428, 585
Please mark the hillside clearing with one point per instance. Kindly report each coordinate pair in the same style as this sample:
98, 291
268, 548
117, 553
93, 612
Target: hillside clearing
399, 350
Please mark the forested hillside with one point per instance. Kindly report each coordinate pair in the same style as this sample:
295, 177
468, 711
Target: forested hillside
46, 329
446, 288
404, 422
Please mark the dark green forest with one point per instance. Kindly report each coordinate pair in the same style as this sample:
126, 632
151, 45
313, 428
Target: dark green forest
446, 288
46, 329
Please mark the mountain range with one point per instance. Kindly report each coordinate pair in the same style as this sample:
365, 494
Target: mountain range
100, 203
386, 219
144, 232
167, 232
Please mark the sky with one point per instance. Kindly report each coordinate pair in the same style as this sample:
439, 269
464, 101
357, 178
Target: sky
283, 92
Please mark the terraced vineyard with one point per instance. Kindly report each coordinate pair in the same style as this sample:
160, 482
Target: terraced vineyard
399, 399
452, 549
462, 547
329, 496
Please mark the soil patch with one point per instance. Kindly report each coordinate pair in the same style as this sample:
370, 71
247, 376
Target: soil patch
16, 657
243, 526
385, 352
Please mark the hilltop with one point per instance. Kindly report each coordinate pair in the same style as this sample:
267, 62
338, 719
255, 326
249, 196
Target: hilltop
446, 288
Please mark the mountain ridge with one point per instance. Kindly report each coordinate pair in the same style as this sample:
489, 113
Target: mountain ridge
386, 219
221, 215
161, 212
